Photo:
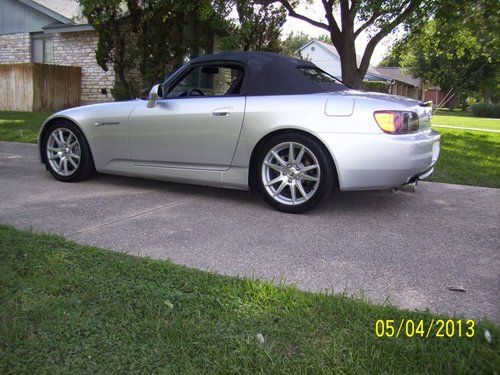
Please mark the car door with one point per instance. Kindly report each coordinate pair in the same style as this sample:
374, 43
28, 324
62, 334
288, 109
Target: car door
195, 126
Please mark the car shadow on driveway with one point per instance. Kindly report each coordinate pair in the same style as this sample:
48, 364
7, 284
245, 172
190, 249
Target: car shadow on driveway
337, 201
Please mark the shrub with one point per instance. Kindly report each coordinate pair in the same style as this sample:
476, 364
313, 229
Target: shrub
375, 86
470, 101
486, 110
121, 92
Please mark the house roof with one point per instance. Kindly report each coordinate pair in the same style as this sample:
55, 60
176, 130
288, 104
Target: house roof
67, 15
398, 74
66, 28
69, 9
48, 16
371, 74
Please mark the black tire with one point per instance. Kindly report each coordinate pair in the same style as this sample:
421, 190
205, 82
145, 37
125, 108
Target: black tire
326, 172
86, 164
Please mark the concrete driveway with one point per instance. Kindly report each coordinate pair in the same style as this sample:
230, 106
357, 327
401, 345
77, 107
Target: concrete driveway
408, 248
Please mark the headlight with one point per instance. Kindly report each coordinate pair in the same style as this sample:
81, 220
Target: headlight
397, 122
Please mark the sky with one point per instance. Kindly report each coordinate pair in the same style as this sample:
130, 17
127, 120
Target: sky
317, 12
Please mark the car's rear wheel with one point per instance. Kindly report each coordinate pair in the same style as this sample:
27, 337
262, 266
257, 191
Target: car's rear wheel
66, 152
294, 173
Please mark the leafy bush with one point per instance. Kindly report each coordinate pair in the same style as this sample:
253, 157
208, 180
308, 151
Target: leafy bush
375, 86
486, 110
121, 92
470, 101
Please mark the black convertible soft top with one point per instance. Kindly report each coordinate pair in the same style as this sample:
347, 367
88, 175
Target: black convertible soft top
268, 73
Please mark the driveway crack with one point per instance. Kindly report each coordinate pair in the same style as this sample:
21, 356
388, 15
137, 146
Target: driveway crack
130, 217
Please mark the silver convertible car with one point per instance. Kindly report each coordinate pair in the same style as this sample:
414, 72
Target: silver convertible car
249, 120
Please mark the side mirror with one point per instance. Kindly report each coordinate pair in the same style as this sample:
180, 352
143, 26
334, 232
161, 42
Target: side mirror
155, 94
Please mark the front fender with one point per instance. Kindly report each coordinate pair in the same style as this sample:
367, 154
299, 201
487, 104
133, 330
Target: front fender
104, 126
41, 134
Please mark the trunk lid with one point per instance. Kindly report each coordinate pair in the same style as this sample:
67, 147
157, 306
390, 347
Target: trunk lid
422, 109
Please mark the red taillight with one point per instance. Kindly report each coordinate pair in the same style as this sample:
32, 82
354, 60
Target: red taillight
397, 122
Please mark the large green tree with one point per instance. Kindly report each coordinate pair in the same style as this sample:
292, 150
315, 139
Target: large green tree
378, 17
480, 19
457, 50
258, 27
105, 16
445, 61
395, 55
144, 39
169, 30
291, 44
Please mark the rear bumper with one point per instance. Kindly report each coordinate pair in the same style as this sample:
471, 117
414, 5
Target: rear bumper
422, 175
377, 161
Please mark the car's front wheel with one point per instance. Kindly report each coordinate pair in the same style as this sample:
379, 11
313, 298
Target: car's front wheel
294, 173
66, 152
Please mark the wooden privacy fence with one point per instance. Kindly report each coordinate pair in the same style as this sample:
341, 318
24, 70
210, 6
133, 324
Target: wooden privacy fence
39, 87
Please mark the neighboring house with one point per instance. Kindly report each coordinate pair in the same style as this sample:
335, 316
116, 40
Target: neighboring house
406, 85
326, 57
402, 84
53, 32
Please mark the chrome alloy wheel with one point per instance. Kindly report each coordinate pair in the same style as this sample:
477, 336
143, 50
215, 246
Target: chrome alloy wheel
291, 173
63, 151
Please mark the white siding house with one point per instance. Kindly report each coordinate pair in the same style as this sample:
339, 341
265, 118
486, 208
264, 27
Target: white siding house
326, 57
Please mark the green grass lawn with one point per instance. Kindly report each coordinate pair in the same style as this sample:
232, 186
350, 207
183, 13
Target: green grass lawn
464, 119
467, 157
21, 126
71, 308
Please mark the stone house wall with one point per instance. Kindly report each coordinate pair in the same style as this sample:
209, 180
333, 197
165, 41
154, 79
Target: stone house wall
70, 49
78, 49
15, 48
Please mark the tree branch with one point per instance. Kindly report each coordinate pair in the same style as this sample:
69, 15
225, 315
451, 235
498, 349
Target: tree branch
334, 29
352, 11
344, 13
384, 31
347, 14
294, 14
367, 24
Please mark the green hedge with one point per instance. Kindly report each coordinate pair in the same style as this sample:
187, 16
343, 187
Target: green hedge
486, 110
375, 86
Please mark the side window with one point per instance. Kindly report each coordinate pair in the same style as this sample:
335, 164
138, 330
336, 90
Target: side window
209, 80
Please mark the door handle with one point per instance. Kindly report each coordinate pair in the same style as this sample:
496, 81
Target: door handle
221, 112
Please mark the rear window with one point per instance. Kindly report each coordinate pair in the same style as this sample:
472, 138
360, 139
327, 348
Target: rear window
319, 76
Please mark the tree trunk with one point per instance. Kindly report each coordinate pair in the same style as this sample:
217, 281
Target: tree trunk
348, 63
350, 74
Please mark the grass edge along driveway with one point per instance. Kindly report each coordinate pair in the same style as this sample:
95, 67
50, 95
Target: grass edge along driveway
71, 308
